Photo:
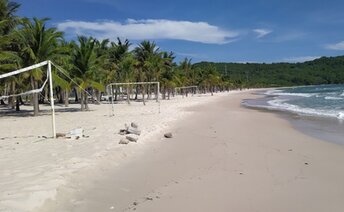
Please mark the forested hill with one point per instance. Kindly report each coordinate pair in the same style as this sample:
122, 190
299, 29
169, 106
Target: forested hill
325, 70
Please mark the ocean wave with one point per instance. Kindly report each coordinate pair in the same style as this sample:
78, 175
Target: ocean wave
295, 94
272, 92
332, 98
279, 104
340, 115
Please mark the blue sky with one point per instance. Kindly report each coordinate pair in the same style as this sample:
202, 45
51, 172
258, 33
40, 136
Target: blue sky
207, 30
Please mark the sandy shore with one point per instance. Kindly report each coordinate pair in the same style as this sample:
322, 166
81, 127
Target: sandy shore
34, 169
223, 157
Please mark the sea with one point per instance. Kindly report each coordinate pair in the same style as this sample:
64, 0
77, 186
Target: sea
316, 110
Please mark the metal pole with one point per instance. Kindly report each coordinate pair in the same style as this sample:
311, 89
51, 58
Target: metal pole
157, 92
52, 98
112, 106
157, 98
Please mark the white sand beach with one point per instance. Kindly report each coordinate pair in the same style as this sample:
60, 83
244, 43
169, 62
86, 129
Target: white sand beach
33, 168
222, 157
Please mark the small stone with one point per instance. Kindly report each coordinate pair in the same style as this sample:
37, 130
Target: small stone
123, 132
134, 125
17, 142
306, 163
135, 131
60, 135
168, 135
124, 141
149, 198
131, 138
135, 203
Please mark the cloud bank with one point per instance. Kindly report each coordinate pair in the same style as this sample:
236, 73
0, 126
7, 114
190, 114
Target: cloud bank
336, 46
201, 32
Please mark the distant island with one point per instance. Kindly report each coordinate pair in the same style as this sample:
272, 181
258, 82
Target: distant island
325, 70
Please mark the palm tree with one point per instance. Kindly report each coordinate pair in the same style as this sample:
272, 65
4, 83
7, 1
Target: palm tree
62, 81
126, 68
37, 43
8, 19
86, 65
167, 76
8, 57
103, 63
117, 54
145, 51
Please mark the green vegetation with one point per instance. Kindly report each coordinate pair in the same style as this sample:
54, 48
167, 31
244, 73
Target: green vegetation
325, 70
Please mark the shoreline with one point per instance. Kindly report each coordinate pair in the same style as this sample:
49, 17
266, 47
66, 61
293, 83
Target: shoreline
222, 158
328, 129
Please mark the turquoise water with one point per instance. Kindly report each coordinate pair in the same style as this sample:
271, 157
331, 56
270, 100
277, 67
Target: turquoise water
321, 100
319, 109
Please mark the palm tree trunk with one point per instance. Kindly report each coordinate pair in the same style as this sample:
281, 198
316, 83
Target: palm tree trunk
163, 89
35, 97
168, 93
143, 95
61, 95
86, 101
46, 94
76, 95
18, 103
116, 94
66, 98
11, 99
136, 93
99, 95
21, 100
148, 92
82, 101
128, 94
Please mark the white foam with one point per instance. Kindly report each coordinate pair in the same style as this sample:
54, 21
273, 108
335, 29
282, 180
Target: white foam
272, 92
332, 98
295, 94
340, 115
280, 104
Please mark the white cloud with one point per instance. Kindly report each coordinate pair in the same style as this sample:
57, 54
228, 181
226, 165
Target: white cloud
262, 32
151, 29
300, 59
336, 46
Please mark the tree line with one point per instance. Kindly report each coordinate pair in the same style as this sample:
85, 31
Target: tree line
90, 63
325, 70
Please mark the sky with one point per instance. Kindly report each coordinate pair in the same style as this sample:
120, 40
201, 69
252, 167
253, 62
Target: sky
263, 31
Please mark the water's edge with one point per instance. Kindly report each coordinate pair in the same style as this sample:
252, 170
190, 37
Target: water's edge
323, 128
